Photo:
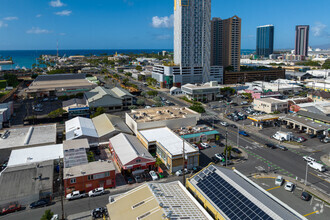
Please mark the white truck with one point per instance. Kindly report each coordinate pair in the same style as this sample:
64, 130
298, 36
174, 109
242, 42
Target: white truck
75, 195
316, 166
283, 136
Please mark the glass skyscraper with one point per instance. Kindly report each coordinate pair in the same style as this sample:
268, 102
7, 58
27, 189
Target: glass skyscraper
265, 40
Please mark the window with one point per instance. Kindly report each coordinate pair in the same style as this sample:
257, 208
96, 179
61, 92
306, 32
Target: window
90, 177
73, 180
138, 161
107, 173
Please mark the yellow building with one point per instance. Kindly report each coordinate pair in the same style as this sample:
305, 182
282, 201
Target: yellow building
228, 194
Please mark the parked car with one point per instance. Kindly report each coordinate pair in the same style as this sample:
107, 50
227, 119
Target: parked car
137, 179
196, 169
75, 195
215, 159
312, 136
205, 145
219, 156
233, 126
281, 147
96, 192
244, 103
243, 133
100, 212
325, 140
236, 150
270, 145
45, 99
223, 123
289, 186
279, 181
308, 159
180, 172
11, 209
130, 180
153, 175
301, 139
305, 196
40, 203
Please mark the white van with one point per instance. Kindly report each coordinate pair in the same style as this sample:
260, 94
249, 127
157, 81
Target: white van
316, 166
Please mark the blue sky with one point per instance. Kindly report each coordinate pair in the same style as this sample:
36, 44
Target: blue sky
146, 24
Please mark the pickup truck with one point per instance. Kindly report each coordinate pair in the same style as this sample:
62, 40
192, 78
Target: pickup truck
75, 195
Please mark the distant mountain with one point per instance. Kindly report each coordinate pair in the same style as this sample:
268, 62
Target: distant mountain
323, 46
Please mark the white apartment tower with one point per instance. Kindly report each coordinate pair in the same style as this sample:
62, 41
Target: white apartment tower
192, 47
192, 34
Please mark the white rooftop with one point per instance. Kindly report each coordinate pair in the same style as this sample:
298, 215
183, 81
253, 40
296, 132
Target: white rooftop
80, 126
35, 155
168, 139
28, 136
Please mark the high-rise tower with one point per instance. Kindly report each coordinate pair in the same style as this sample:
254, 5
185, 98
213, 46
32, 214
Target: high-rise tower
265, 40
192, 37
226, 42
301, 42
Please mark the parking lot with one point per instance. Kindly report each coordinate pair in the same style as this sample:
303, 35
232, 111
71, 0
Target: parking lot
313, 209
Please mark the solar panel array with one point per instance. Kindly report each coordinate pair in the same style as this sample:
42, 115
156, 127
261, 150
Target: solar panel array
229, 200
75, 157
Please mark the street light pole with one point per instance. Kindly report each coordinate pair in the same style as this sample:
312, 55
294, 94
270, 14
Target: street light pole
237, 136
226, 146
306, 173
183, 163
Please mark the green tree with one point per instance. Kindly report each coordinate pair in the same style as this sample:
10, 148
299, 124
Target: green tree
98, 111
152, 93
11, 79
128, 74
229, 69
140, 102
326, 64
197, 107
56, 113
141, 77
90, 156
227, 91
152, 82
158, 104
158, 162
126, 81
132, 107
47, 215
157, 99
34, 75
138, 68
229, 149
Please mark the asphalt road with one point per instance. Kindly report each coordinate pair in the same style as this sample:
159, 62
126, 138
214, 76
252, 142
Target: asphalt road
289, 162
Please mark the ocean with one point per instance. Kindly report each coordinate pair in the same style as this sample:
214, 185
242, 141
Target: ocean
25, 58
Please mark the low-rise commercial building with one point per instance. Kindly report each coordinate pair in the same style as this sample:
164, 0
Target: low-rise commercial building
169, 147
59, 85
80, 128
157, 201
25, 137
319, 96
205, 92
169, 76
130, 155
76, 107
270, 105
110, 99
171, 116
228, 194
250, 76
198, 133
89, 176
108, 126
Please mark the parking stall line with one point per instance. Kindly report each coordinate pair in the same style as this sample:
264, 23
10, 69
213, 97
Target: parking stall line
276, 187
311, 213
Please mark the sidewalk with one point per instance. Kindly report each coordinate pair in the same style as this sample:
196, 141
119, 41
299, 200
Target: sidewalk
326, 159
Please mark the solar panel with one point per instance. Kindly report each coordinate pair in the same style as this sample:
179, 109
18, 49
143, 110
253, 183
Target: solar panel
229, 200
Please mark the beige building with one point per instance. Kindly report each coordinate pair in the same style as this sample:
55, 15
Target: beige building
171, 116
226, 42
157, 201
269, 105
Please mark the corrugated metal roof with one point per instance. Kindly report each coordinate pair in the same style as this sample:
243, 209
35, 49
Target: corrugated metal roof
79, 126
128, 148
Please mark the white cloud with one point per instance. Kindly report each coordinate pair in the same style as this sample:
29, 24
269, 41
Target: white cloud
10, 18
163, 22
3, 24
37, 30
56, 3
319, 30
64, 13
38, 15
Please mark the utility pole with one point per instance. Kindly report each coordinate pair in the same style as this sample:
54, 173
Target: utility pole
237, 136
226, 145
183, 164
61, 190
306, 173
